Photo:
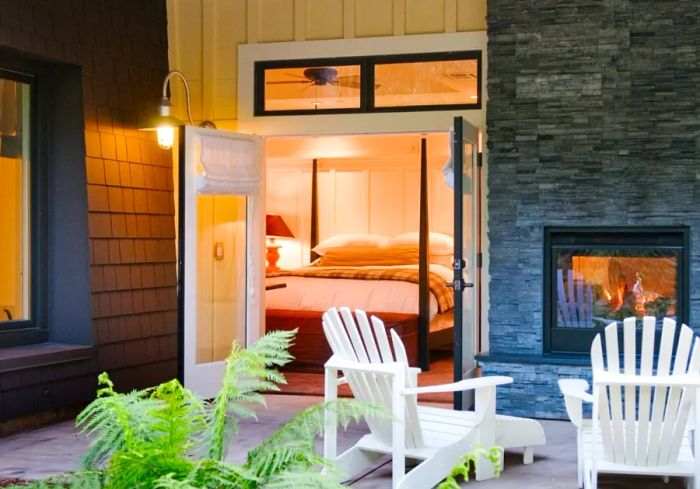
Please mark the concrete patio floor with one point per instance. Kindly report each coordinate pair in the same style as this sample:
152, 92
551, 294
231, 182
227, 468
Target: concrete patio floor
58, 448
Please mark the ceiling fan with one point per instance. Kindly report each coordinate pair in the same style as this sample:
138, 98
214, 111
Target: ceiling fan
321, 76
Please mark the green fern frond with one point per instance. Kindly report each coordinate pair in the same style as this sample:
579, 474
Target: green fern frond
304, 480
134, 469
248, 372
113, 420
209, 474
469, 462
292, 446
309, 423
178, 419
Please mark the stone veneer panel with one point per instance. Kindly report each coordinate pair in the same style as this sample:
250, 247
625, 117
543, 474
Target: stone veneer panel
593, 118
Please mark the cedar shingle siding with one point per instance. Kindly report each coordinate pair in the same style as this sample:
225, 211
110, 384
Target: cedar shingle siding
121, 48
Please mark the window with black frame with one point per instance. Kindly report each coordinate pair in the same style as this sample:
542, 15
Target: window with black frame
15, 201
22, 264
403, 82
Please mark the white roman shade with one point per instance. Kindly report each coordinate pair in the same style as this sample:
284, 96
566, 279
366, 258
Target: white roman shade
230, 166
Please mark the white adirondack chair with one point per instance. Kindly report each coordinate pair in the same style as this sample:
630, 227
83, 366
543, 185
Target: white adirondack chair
435, 436
640, 418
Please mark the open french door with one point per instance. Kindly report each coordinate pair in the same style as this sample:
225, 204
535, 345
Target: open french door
220, 243
467, 279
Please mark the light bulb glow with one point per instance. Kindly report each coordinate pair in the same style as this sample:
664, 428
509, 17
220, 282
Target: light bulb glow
166, 136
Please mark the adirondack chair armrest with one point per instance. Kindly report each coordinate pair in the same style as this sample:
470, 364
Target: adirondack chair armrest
575, 394
462, 385
609, 378
576, 388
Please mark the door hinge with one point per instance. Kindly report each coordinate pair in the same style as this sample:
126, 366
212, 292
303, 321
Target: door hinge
479, 259
480, 159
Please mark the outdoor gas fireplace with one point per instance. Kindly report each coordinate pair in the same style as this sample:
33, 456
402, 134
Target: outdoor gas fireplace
595, 276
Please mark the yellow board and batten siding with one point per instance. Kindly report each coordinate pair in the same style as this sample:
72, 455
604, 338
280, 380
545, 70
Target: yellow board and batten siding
204, 35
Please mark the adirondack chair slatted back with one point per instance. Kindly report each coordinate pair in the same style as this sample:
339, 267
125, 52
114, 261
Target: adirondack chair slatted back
365, 343
575, 301
643, 425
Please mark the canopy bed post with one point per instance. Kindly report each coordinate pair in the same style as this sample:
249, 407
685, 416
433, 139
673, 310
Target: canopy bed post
314, 210
423, 265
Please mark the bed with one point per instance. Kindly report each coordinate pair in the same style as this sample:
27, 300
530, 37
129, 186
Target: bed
297, 299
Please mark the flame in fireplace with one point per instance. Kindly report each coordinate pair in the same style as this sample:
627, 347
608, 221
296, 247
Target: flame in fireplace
617, 299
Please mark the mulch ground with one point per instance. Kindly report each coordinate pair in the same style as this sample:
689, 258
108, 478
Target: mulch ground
9, 482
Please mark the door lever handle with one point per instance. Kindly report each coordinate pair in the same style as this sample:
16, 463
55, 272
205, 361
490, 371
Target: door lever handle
459, 284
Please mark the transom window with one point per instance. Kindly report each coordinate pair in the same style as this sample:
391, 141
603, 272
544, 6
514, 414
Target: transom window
405, 82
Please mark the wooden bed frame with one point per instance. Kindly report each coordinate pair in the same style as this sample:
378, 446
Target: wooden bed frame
310, 348
424, 340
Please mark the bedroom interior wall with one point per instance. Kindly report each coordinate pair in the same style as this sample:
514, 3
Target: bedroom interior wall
372, 198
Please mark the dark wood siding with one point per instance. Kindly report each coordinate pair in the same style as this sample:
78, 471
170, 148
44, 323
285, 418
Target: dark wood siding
120, 48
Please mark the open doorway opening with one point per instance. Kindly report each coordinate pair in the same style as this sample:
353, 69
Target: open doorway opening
344, 215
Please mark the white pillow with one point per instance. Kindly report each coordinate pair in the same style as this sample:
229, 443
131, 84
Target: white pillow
439, 244
345, 240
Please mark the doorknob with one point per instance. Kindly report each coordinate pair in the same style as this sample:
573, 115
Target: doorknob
459, 284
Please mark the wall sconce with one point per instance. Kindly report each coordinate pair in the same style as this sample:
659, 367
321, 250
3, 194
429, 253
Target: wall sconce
165, 123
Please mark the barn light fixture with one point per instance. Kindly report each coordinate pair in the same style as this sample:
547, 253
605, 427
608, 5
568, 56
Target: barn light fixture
165, 123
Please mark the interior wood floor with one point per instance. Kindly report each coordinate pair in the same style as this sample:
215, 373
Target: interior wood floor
311, 384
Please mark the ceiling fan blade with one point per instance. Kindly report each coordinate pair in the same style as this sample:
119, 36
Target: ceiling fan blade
287, 82
459, 75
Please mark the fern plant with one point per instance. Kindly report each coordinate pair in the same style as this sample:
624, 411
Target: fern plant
166, 437
469, 462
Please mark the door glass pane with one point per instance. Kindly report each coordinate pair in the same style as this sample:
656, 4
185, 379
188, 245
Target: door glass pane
14, 200
312, 88
469, 226
221, 275
420, 83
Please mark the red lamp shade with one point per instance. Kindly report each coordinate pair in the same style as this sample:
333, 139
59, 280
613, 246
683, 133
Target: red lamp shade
275, 226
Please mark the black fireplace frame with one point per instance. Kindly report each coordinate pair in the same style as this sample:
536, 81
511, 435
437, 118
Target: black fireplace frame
558, 340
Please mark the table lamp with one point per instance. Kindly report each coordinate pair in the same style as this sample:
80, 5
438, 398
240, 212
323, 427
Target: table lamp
275, 227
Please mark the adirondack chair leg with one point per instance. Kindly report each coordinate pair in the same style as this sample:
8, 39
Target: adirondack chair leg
356, 460
398, 432
330, 434
528, 455
579, 448
485, 400
666, 479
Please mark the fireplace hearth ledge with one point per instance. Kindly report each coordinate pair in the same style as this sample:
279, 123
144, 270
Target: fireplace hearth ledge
583, 360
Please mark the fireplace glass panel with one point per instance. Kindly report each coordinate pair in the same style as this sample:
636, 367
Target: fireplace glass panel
594, 287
